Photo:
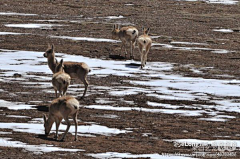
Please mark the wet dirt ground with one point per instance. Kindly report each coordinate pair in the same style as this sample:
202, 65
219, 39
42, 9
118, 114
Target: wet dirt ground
171, 22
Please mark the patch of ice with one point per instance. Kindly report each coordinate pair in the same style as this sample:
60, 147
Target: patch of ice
10, 33
115, 17
190, 48
103, 101
226, 2
165, 111
17, 116
222, 118
126, 91
15, 106
156, 80
36, 149
5, 133
86, 39
22, 62
154, 104
190, 85
37, 128
223, 30
187, 43
129, 4
14, 13
214, 119
32, 26
220, 51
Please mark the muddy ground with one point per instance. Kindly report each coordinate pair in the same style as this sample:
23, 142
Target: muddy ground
169, 21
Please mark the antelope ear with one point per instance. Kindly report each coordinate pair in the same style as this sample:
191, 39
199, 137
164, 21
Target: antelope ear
114, 26
56, 61
147, 30
44, 118
61, 62
52, 47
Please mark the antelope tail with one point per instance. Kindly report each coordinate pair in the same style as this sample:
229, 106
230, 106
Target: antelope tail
134, 31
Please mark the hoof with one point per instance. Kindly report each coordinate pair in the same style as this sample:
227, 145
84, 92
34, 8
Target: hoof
55, 138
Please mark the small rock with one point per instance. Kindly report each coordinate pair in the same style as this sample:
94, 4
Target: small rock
17, 75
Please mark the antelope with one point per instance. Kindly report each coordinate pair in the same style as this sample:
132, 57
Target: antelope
60, 80
76, 70
61, 108
127, 34
144, 45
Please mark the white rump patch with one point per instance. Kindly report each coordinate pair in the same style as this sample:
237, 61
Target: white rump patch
130, 32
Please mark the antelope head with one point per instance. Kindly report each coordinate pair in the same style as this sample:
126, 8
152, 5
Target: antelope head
49, 52
47, 125
59, 67
146, 31
115, 32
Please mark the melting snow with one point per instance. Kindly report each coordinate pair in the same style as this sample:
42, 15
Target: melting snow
10, 33
228, 2
17, 116
115, 17
86, 39
223, 30
32, 26
165, 111
36, 149
164, 85
14, 13
185, 48
15, 106
36, 127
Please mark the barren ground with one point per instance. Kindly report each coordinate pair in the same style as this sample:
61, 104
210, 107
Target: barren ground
172, 23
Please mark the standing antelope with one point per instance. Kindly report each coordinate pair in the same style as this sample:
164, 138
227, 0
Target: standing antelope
77, 70
60, 80
61, 108
144, 45
127, 34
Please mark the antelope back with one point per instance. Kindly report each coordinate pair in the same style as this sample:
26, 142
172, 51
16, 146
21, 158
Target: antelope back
128, 33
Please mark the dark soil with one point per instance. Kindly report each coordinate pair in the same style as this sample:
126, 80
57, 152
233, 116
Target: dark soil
170, 20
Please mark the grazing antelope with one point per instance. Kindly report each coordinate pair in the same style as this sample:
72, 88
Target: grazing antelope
127, 34
76, 70
60, 80
144, 45
61, 108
